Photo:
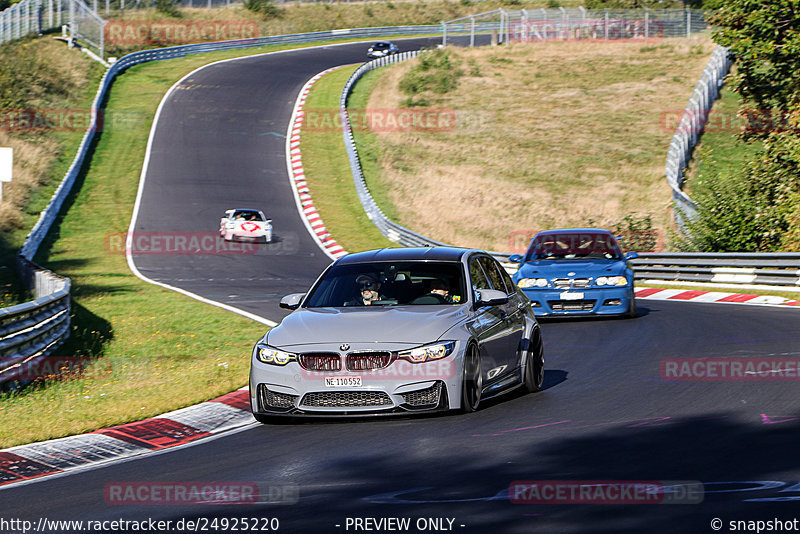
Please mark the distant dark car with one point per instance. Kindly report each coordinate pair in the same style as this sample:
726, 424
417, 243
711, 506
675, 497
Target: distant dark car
576, 271
398, 330
381, 49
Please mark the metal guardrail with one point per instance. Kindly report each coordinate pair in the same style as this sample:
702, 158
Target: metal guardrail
29, 332
689, 129
32, 330
390, 229
779, 269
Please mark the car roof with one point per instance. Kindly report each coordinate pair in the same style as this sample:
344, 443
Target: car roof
576, 231
407, 254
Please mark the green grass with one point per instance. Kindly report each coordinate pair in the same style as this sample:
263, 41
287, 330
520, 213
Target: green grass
327, 167
154, 350
721, 149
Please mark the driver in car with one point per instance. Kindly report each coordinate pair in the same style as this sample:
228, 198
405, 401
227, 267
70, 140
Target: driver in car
369, 291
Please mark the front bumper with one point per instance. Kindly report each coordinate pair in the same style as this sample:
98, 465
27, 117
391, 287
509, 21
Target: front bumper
594, 301
399, 388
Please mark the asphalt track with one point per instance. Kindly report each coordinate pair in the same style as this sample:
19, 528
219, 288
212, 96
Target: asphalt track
606, 413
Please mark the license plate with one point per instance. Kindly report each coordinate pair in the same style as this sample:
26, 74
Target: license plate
567, 295
342, 381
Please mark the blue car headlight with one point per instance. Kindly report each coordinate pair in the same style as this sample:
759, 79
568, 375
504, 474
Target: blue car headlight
271, 355
611, 281
426, 353
526, 283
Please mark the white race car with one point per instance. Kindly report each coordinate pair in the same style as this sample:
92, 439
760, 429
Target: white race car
245, 225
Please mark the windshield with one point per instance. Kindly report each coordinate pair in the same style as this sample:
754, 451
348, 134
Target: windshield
390, 284
569, 246
380, 46
248, 215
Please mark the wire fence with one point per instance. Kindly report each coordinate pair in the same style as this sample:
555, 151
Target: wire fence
530, 25
690, 128
36, 16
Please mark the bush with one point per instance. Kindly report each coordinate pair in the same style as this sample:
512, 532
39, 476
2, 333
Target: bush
437, 71
266, 8
168, 8
637, 233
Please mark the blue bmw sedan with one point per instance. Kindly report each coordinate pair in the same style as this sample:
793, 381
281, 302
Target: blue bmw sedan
576, 271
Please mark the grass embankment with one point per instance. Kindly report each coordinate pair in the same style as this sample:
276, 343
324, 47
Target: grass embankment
152, 350
288, 18
720, 142
546, 135
327, 168
46, 93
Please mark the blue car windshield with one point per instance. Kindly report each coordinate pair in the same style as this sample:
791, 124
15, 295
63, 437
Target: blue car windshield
574, 246
390, 284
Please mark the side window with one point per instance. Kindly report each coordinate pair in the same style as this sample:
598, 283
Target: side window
491, 268
477, 276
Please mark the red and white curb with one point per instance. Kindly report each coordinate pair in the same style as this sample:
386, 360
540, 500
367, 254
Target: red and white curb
712, 296
27, 462
294, 162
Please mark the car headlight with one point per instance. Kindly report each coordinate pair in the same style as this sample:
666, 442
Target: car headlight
611, 281
426, 353
267, 354
526, 283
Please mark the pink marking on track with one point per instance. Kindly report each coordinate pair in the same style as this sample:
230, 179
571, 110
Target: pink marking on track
522, 428
767, 419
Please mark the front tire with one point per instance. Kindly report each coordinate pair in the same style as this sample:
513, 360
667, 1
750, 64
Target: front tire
534, 366
472, 382
632, 308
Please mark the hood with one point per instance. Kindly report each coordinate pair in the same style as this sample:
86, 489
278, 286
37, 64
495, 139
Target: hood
383, 324
582, 268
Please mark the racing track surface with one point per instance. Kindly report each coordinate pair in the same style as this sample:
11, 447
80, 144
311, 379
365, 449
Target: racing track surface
606, 412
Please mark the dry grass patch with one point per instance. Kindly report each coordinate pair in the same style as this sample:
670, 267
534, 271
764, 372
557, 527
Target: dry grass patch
546, 135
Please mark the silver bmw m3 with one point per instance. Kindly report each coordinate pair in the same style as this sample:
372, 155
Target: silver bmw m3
395, 331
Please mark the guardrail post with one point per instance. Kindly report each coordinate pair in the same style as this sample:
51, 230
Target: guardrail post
472, 31
444, 33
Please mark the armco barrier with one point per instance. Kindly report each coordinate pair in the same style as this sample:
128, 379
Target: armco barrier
30, 331
778, 269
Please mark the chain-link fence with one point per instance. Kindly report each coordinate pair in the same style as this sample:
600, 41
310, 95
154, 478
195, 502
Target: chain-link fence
530, 25
689, 129
36, 16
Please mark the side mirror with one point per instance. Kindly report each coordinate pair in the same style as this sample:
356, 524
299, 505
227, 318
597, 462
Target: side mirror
491, 297
515, 258
292, 302
631, 256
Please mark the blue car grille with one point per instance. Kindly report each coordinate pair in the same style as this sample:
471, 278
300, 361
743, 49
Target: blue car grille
571, 305
571, 283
